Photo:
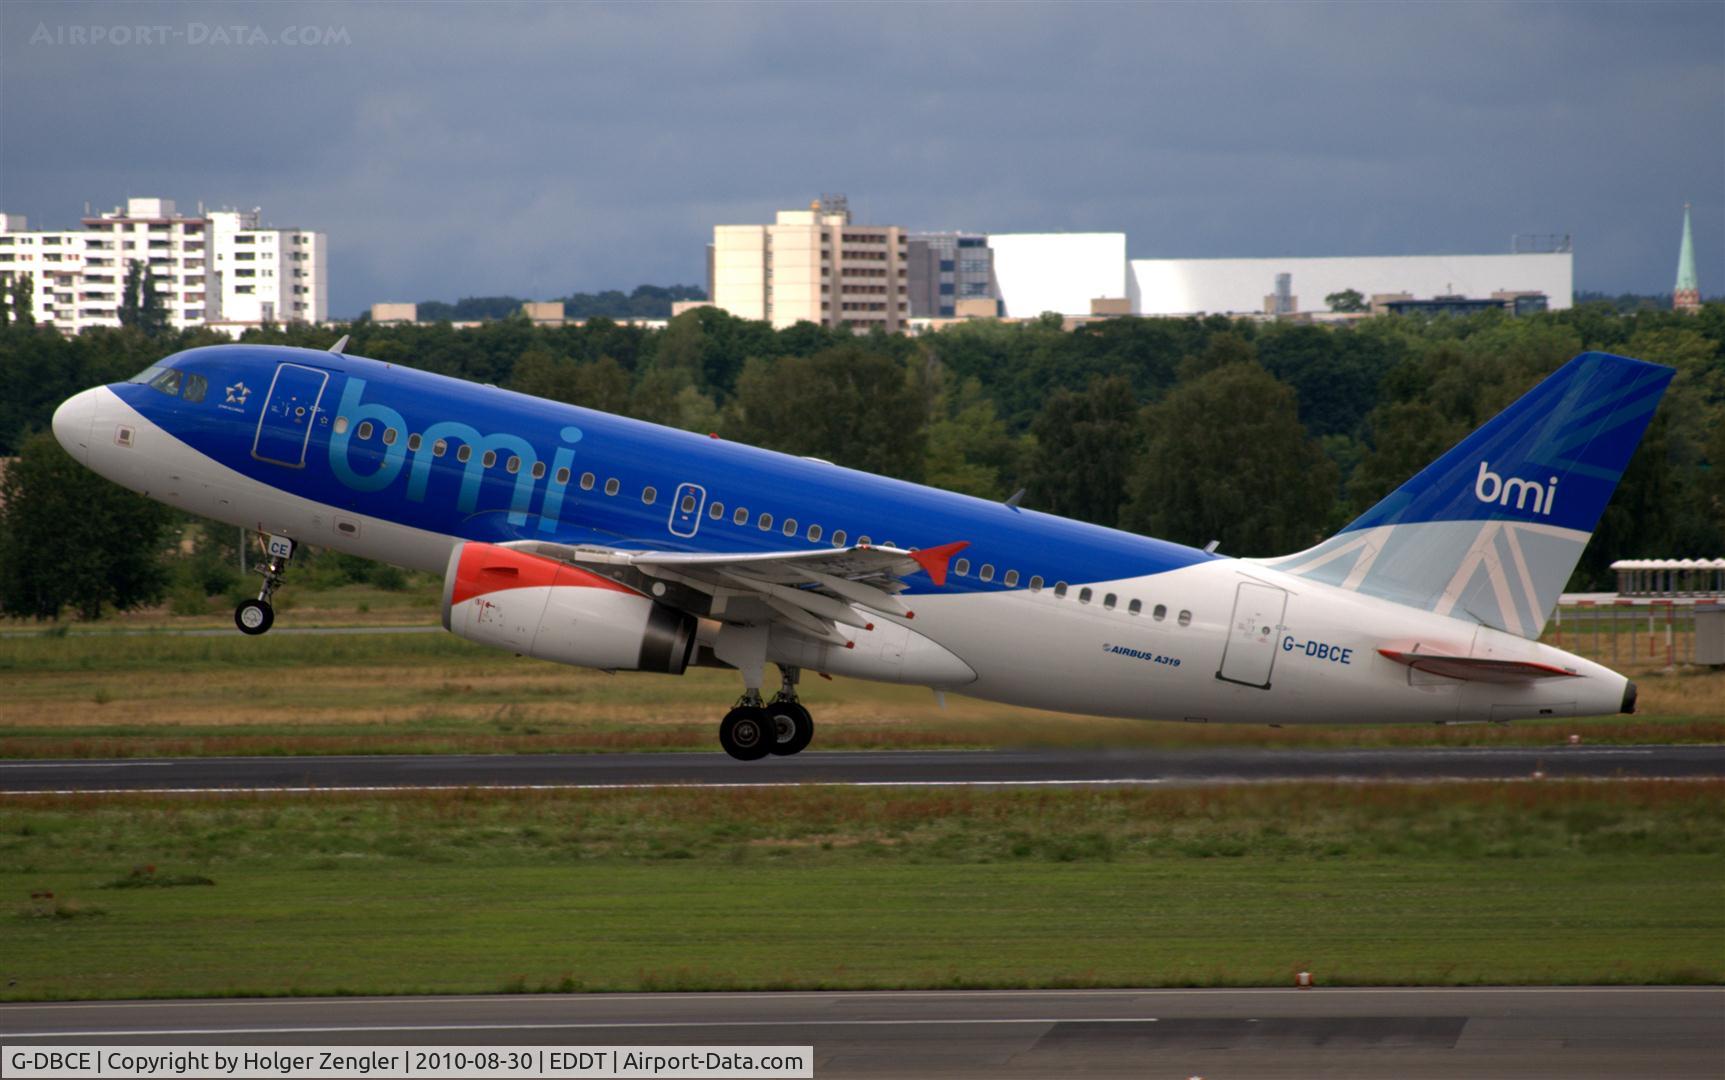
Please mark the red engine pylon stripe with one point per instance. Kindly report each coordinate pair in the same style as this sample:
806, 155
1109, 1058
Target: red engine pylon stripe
487, 568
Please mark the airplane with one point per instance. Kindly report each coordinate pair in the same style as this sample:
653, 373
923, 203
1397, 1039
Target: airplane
576, 536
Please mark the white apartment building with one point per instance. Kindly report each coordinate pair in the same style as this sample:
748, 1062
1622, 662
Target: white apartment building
813, 265
220, 268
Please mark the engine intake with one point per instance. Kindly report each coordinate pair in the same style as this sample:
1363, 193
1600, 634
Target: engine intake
550, 610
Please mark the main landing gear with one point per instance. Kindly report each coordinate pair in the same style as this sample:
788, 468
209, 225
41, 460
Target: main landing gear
257, 616
781, 727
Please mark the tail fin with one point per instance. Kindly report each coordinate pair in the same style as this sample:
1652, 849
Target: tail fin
1493, 529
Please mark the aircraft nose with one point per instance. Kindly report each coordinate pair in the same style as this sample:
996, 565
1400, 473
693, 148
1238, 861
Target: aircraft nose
73, 421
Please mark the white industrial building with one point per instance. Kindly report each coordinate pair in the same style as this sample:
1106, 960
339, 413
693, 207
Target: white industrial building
1069, 273
1060, 272
1204, 286
220, 269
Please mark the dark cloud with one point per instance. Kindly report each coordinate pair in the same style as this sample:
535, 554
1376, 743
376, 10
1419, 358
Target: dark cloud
542, 148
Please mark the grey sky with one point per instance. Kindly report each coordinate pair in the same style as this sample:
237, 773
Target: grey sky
539, 149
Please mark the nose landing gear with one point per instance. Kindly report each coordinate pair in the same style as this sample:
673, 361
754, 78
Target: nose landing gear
257, 616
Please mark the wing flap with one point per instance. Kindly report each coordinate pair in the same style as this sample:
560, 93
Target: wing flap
808, 591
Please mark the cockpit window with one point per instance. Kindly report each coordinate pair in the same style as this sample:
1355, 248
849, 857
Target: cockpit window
167, 380
173, 383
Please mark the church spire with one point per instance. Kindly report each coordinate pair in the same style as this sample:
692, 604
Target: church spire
1687, 294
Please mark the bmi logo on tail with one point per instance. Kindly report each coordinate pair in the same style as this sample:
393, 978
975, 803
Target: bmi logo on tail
1489, 487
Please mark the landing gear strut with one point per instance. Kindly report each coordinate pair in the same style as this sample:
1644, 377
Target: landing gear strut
257, 616
781, 727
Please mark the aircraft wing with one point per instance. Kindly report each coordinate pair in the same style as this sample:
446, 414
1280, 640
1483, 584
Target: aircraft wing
1477, 669
808, 591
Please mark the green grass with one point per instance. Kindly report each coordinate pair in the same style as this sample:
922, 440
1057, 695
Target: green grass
160, 695
824, 887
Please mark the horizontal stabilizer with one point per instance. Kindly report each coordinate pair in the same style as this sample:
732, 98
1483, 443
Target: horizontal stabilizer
1476, 669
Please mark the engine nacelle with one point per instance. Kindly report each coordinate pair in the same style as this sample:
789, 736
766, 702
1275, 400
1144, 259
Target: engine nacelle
550, 610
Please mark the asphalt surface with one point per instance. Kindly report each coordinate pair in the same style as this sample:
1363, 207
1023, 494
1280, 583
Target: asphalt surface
885, 768
1575, 1032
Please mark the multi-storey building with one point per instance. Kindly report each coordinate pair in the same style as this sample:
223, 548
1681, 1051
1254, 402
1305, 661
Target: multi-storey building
218, 268
815, 266
946, 268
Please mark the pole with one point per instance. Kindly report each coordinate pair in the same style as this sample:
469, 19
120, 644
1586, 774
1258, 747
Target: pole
1614, 635
1670, 634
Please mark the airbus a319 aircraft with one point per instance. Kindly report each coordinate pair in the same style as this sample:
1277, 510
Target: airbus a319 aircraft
590, 539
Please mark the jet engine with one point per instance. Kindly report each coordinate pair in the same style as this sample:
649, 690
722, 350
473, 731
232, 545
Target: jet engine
550, 610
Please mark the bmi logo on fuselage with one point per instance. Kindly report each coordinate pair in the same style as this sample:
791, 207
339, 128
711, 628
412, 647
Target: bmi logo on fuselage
1489, 487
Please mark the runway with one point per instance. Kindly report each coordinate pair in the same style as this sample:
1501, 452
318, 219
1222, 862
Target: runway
1363, 1032
883, 768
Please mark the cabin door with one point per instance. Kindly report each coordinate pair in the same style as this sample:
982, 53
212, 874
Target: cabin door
1251, 649
288, 414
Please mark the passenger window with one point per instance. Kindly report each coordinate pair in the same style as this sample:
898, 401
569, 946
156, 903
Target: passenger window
341, 425
167, 381
961, 567
389, 436
196, 385
1185, 618
364, 431
888, 544
538, 470
716, 510
1060, 589
814, 533
839, 538
1136, 607
612, 486
790, 527
1109, 601
489, 459
1084, 595
1011, 578
439, 448
649, 496
1036, 583
413, 442
862, 541
1160, 613
461, 455
987, 573
688, 504
741, 517
764, 522
513, 465
587, 481
563, 477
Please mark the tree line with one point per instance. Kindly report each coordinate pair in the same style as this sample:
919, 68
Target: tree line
1265, 437
645, 302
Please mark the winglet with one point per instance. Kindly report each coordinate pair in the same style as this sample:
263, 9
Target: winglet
933, 560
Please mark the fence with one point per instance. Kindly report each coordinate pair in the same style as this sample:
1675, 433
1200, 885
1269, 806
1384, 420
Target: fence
1656, 633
